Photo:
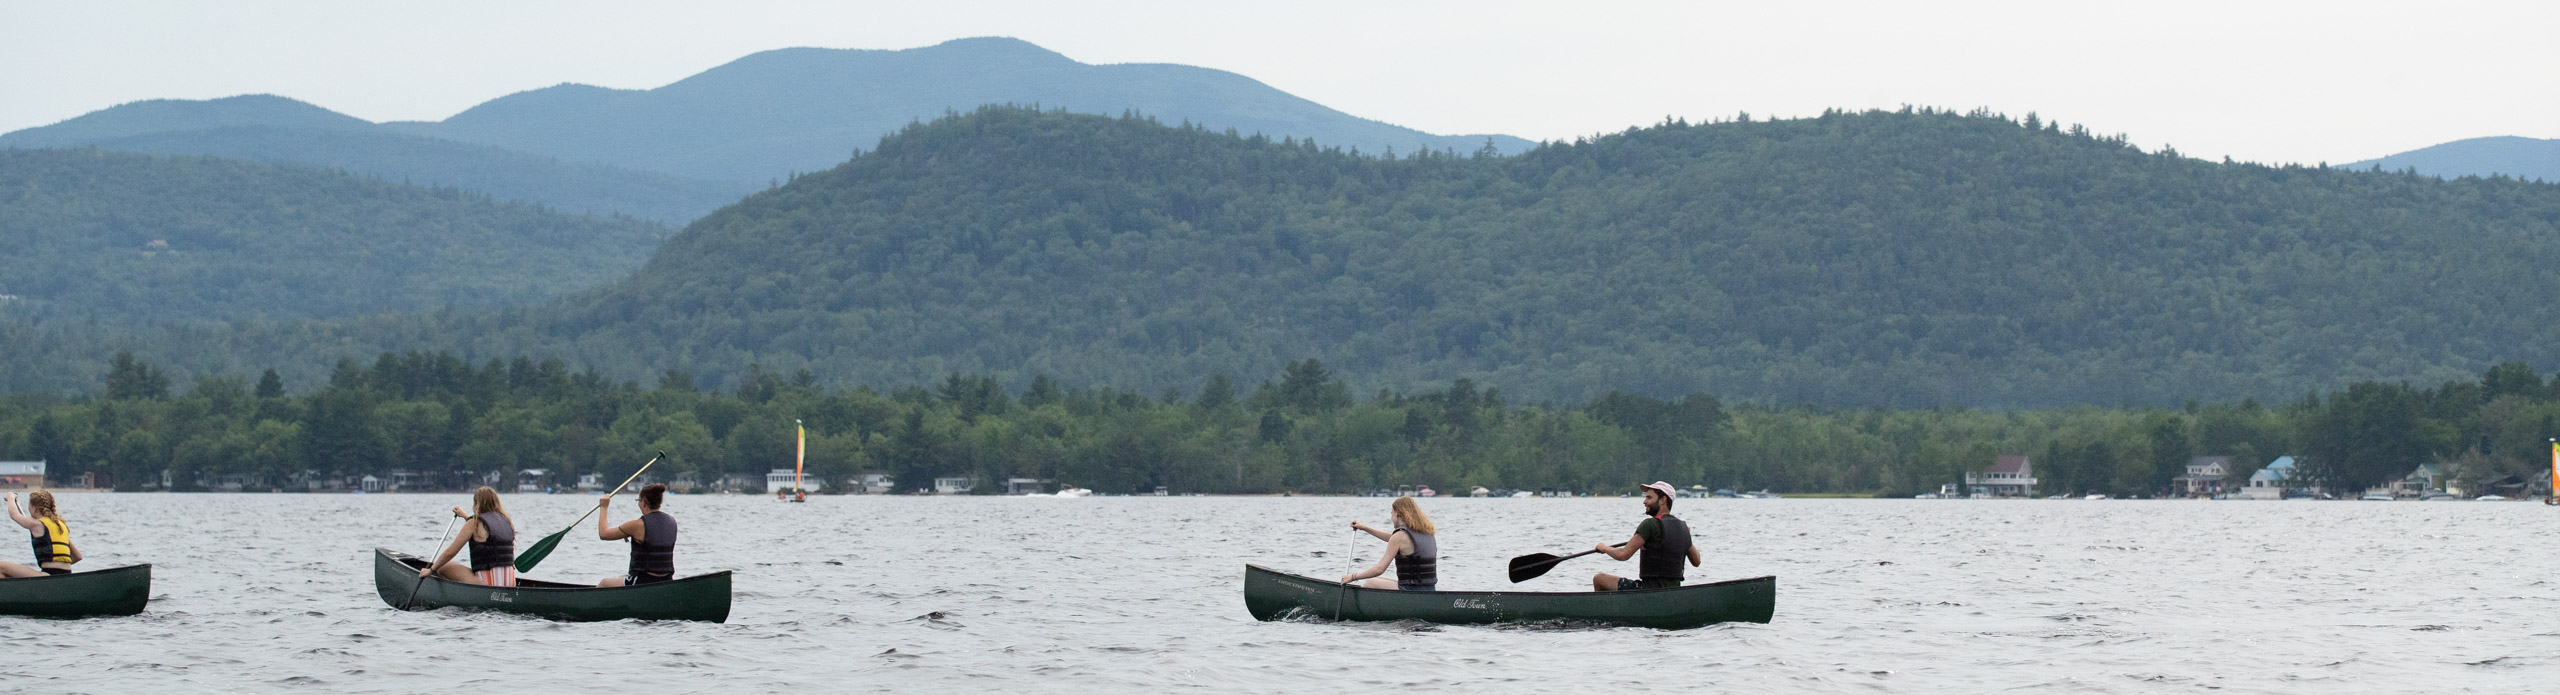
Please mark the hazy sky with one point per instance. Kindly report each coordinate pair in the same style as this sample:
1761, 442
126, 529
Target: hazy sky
2311, 81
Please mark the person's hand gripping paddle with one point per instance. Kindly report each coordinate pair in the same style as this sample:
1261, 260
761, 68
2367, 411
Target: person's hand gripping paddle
542, 548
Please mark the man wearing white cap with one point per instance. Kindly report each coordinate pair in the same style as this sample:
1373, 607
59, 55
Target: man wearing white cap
1663, 539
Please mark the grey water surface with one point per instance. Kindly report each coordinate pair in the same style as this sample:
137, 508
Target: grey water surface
274, 593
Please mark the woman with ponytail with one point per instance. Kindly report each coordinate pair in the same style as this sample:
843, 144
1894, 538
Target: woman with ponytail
491, 534
50, 534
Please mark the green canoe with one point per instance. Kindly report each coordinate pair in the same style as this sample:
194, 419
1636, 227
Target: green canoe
113, 591
1274, 595
700, 597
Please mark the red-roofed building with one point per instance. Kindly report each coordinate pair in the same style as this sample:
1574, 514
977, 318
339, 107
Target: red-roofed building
2008, 476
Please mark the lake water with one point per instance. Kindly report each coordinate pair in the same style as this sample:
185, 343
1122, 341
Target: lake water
275, 593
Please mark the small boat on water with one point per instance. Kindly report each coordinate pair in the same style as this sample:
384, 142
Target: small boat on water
112, 591
1274, 595
702, 597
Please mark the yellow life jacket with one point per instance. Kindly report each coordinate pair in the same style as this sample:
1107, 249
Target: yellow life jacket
54, 544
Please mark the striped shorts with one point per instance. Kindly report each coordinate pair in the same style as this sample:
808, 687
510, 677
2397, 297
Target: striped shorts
502, 575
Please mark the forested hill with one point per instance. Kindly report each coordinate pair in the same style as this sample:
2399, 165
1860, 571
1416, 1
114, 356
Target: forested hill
126, 238
276, 129
1871, 258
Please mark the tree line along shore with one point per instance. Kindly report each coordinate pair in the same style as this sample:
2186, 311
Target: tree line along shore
437, 421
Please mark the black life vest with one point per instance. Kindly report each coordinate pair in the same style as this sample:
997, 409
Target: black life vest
654, 552
1422, 566
500, 549
1659, 562
52, 541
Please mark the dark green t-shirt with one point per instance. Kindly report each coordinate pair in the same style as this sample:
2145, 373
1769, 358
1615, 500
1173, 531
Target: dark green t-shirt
1651, 530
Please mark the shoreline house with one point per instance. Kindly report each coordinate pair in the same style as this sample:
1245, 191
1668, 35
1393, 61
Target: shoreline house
781, 478
878, 483
2273, 482
21, 475
2425, 479
2205, 477
954, 485
2008, 476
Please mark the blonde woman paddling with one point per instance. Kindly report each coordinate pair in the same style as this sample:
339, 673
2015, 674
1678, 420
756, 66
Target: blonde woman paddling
491, 535
1412, 546
45, 528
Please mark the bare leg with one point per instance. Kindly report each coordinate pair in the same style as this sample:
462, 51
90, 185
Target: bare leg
14, 570
1378, 583
1604, 582
610, 582
457, 572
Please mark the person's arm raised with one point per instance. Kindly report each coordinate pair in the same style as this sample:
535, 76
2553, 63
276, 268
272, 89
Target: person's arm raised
30, 523
1371, 530
605, 530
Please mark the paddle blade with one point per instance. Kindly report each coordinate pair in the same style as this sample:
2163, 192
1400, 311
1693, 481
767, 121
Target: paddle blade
1531, 566
540, 549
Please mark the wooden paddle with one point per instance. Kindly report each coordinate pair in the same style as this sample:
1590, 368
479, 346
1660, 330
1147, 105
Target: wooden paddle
441, 539
540, 549
1535, 565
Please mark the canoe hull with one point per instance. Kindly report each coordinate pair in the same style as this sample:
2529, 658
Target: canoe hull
1275, 595
700, 597
114, 591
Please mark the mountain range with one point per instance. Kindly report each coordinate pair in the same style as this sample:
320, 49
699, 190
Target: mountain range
2524, 158
1853, 259
677, 151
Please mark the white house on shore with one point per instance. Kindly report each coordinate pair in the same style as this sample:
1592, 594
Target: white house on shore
2008, 476
2204, 477
780, 480
2271, 482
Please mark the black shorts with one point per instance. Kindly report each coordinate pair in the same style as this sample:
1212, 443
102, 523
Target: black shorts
54, 570
1626, 584
646, 578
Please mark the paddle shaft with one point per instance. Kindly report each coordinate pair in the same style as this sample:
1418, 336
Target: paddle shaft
540, 549
1549, 564
441, 539
617, 489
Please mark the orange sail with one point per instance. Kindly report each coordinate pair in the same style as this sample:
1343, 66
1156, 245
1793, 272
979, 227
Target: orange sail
801, 459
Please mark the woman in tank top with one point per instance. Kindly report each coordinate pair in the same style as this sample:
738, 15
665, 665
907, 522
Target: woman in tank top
491, 537
47, 531
1413, 547
652, 537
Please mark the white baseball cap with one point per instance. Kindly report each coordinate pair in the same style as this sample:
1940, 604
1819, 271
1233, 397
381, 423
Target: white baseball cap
1664, 488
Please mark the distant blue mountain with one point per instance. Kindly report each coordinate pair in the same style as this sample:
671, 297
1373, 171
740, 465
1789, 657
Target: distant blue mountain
807, 109
2524, 158
276, 129
678, 151
171, 115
